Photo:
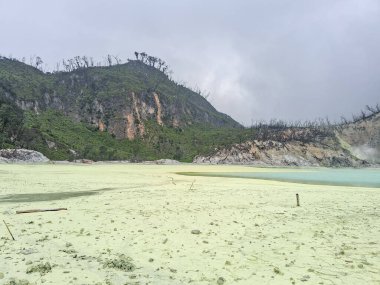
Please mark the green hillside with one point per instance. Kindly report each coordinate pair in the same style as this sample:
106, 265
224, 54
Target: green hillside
56, 114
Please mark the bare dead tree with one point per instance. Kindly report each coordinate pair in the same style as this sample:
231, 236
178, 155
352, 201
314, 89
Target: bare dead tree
159, 63
31, 60
363, 115
65, 65
71, 64
38, 62
58, 67
143, 56
77, 62
344, 121
109, 60
370, 109
86, 61
117, 59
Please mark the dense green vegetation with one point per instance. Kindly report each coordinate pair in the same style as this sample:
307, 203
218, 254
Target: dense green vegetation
185, 144
11, 123
22, 80
61, 137
71, 140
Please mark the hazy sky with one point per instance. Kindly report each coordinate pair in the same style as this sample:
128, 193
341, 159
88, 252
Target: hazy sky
259, 59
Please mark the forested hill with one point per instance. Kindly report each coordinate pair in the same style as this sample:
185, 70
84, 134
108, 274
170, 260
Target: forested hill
134, 111
123, 111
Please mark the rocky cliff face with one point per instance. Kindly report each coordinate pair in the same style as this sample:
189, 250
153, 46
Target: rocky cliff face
118, 99
274, 153
351, 145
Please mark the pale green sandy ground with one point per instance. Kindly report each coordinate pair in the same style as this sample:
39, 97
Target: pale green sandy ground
251, 231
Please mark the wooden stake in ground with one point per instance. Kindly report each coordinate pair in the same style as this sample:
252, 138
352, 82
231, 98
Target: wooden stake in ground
191, 187
9, 230
298, 200
40, 210
172, 180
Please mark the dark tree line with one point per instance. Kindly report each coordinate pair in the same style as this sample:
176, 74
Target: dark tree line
34, 61
365, 114
81, 62
152, 61
11, 122
305, 131
283, 131
70, 64
205, 94
77, 62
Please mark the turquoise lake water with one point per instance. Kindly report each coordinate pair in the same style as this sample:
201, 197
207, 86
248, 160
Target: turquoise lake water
324, 176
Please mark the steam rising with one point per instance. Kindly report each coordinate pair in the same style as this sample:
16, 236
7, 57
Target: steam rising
367, 153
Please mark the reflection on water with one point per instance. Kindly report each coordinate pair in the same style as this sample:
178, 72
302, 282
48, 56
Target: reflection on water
340, 177
38, 197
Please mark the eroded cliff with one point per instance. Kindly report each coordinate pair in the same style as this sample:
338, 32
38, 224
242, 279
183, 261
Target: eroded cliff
350, 145
117, 99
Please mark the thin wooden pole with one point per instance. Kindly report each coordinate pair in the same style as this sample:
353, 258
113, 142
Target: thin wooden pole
40, 210
9, 230
191, 187
298, 200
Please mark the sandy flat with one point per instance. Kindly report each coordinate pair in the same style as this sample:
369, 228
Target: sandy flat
180, 229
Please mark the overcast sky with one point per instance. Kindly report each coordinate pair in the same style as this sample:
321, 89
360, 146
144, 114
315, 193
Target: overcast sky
259, 59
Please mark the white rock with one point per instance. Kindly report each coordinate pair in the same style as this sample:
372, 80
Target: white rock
21, 156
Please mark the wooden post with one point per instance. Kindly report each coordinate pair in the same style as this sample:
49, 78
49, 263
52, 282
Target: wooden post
298, 200
191, 187
9, 230
40, 210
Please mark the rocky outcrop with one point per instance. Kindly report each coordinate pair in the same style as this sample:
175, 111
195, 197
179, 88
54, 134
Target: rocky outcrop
122, 116
159, 109
21, 156
119, 99
350, 145
274, 153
